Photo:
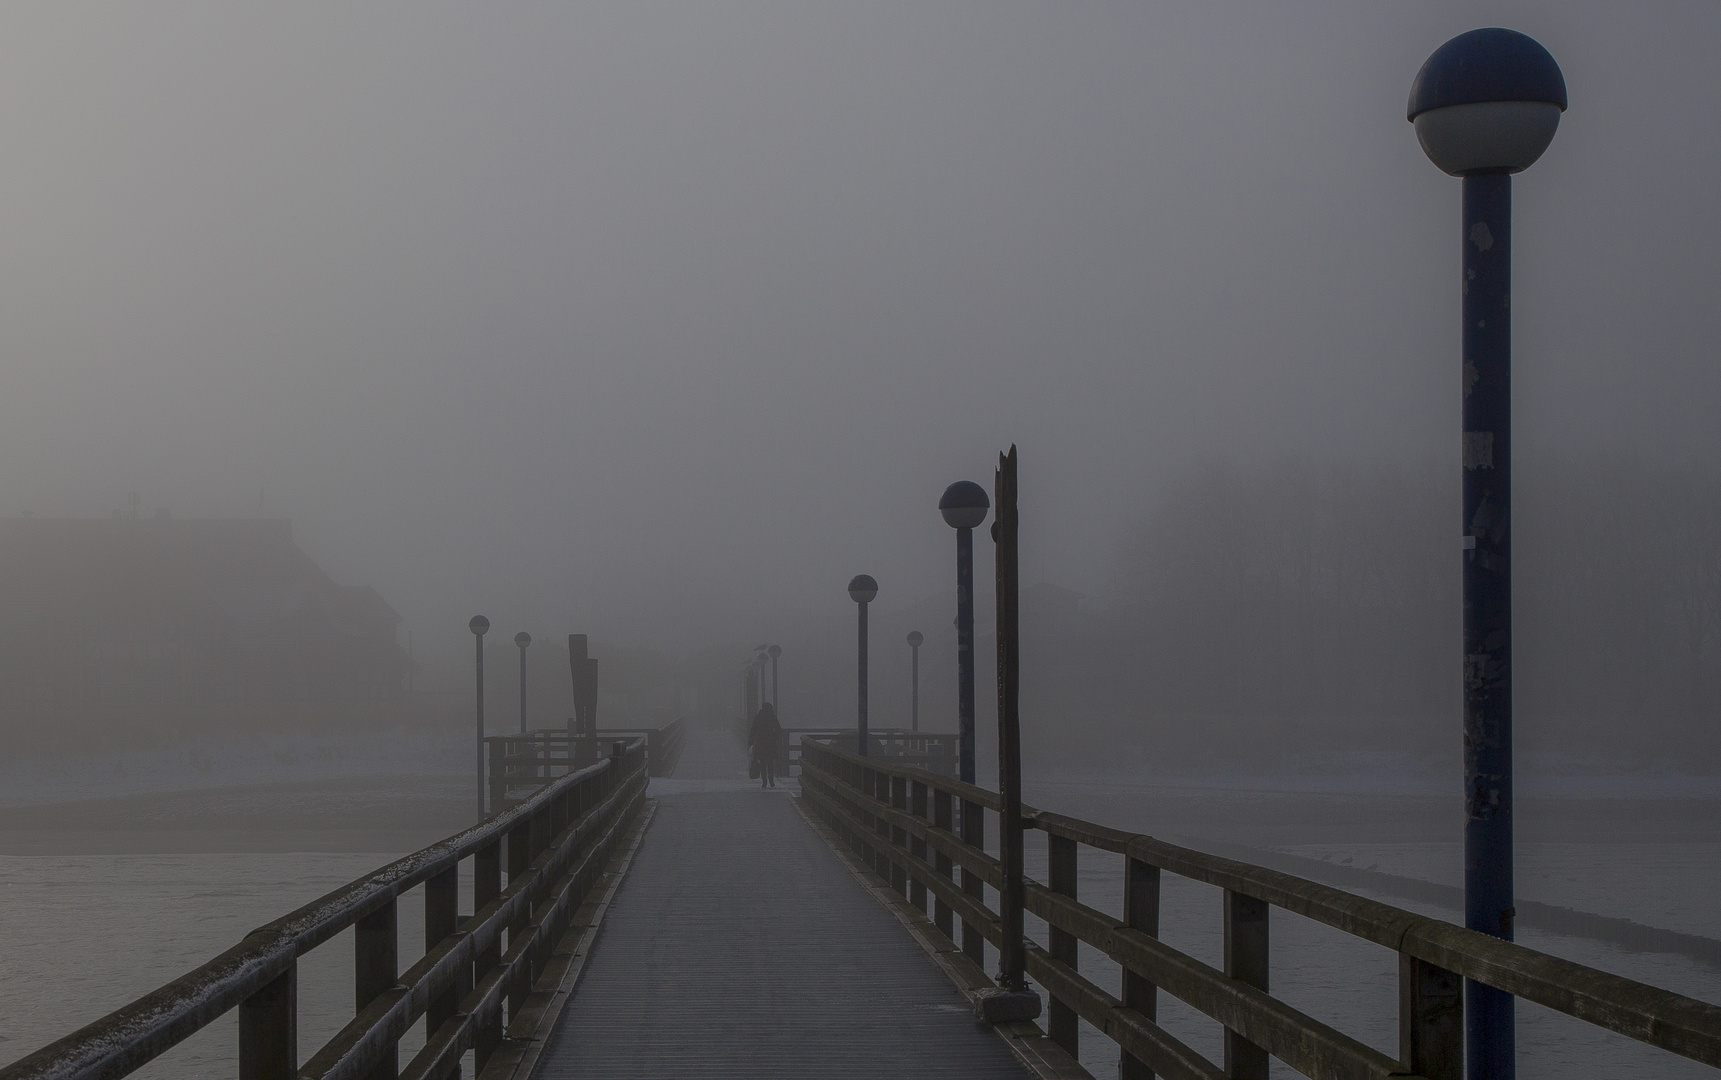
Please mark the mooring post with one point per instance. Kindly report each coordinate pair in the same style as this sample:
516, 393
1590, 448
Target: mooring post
1140, 912
1245, 961
376, 970
1061, 877
1012, 1000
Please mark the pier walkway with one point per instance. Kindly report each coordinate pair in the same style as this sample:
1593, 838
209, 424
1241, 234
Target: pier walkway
739, 946
608, 918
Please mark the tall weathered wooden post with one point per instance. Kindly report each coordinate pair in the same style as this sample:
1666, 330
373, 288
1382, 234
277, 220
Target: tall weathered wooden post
1012, 1000
582, 726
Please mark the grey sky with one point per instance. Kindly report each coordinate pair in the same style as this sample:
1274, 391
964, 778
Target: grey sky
641, 319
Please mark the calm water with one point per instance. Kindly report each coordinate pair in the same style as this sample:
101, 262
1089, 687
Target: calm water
85, 934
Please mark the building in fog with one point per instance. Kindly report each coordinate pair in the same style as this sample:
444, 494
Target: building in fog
166, 612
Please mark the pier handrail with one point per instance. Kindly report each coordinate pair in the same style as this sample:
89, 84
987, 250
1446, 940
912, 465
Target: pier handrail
884, 812
556, 841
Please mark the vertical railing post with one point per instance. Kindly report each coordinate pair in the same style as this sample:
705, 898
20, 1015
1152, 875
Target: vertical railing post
917, 806
486, 887
899, 835
1245, 961
498, 775
519, 865
269, 1029
441, 920
1061, 877
376, 970
973, 834
1430, 1020
1140, 912
942, 817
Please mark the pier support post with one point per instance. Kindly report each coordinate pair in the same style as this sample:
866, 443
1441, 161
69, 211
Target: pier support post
1245, 961
1430, 1020
486, 887
269, 1030
1140, 912
1061, 876
942, 916
917, 847
376, 970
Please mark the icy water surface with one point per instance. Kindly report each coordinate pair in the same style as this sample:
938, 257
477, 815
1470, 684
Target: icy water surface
83, 935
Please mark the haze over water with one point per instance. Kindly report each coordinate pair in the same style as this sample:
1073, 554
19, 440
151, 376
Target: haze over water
659, 322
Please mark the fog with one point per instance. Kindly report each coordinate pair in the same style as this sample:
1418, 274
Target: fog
659, 322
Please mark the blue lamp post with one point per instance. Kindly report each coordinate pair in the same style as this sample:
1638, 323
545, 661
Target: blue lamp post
915, 638
1486, 105
522, 639
478, 625
862, 588
963, 506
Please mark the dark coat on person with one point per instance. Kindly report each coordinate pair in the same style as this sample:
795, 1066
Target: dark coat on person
766, 734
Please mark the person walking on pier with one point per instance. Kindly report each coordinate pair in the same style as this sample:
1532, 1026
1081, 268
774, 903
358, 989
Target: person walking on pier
764, 737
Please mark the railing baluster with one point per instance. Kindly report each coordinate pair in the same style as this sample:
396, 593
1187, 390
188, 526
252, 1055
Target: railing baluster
1140, 912
974, 833
442, 918
486, 887
1430, 1020
1061, 878
376, 969
942, 916
1245, 961
917, 846
269, 1029
899, 836
519, 863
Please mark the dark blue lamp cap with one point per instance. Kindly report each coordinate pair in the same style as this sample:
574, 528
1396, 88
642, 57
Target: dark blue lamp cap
862, 588
478, 625
1493, 64
964, 495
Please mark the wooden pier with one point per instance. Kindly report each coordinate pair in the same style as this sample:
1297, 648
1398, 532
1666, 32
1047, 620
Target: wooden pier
836, 928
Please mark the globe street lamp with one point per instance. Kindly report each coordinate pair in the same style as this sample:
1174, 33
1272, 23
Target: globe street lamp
862, 588
964, 505
478, 625
522, 639
776, 705
1486, 105
915, 637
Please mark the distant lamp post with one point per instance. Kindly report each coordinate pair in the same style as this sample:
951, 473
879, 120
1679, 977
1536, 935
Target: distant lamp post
862, 588
1486, 105
964, 507
522, 639
478, 625
915, 637
776, 706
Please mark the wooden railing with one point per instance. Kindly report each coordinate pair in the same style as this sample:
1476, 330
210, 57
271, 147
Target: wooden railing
531, 865
930, 750
903, 821
519, 764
